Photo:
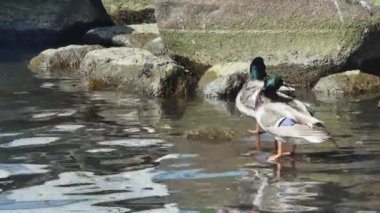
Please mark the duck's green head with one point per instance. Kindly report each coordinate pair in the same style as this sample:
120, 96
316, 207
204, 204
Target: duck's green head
273, 84
257, 69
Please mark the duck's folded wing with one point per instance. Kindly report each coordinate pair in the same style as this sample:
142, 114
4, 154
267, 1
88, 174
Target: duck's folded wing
249, 94
300, 131
295, 103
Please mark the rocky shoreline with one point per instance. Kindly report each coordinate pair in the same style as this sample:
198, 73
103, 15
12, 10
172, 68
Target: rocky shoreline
140, 55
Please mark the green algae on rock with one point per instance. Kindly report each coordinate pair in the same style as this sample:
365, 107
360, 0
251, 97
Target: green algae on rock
321, 34
130, 11
61, 59
136, 69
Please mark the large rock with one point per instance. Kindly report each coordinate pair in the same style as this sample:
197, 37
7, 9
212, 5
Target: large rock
223, 81
156, 46
42, 21
130, 12
226, 87
350, 83
136, 69
220, 70
123, 35
61, 59
319, 34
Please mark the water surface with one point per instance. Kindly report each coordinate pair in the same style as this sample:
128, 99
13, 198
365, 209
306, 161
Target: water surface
64, 149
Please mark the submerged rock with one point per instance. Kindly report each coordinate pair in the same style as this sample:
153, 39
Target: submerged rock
50, 21
130, 12
224, 80
316, 36
212, 134
123, 35
61, 59
350, 83
136, 69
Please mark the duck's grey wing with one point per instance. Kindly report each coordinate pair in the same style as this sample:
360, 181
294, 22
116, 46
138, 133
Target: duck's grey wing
268, 115
295, 103
248, 97
278, 110
314, 135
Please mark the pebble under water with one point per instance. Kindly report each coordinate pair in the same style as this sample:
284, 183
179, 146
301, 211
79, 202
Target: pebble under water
66, 150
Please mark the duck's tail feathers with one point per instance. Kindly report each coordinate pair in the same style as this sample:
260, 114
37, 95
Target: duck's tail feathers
318, 138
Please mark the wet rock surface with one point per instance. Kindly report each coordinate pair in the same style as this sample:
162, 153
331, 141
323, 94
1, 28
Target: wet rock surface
318, 37
46, 22
130, 12
350, 83
61, 59
122, 35
136, 69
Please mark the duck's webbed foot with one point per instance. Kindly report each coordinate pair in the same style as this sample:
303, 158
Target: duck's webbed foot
274, 158
292, 152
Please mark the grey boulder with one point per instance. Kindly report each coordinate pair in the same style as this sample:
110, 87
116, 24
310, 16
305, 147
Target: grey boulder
61, 59
138, 70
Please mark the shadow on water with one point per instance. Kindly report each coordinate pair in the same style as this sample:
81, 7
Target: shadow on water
63, 149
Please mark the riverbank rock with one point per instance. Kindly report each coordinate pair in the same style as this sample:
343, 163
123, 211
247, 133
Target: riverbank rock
156, 46
317, 34
123, 35
225, 87
350, 83
46, 22
136, 69
61, 59
130, 12
224, 81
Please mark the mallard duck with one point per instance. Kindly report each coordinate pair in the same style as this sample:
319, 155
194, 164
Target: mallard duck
285, 122
245, 102
256, 82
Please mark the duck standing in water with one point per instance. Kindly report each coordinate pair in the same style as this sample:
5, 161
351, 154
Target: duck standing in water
285, 122
246, 102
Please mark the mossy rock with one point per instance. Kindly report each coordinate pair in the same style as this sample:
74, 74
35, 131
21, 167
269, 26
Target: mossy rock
135, 69
350, 83
318, 36
130, 11
212, 134
62, 59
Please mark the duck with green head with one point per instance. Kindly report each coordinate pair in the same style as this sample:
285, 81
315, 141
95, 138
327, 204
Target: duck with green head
245, 102
285, 122
257, 75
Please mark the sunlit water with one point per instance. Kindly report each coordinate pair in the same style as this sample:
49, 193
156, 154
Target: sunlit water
66, 150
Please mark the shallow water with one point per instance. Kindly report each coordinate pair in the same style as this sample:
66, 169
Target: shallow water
66, 150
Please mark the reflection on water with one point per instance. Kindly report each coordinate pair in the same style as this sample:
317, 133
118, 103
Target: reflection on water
66, 150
